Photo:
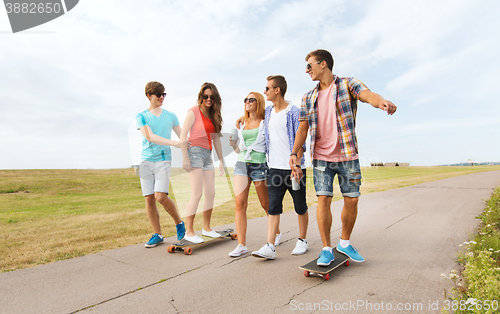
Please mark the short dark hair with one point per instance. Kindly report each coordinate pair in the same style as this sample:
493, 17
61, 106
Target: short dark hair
279, 81
154, 88
322, 55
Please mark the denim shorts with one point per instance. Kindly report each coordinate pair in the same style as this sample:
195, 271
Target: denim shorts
155, 176
256, 172
348, 171
278, 183
201, 158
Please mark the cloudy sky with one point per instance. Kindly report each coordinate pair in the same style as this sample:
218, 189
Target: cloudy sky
70, 88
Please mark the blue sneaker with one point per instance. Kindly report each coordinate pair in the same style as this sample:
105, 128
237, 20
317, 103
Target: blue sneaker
155, 239
181, 230
352, 252
325, 258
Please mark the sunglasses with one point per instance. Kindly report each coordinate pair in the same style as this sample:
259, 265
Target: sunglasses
208, 97
250, 100
160, 94
267, 88
309, 65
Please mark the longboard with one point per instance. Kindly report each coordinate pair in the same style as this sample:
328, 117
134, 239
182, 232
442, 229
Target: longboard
187, 247
324, 271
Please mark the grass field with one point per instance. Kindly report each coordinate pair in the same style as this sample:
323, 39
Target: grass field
50, 215
477, 282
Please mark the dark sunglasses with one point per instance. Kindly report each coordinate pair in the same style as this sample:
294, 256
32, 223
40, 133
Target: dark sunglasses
309, 65
208, 97
267, 88
250, 100
160, 94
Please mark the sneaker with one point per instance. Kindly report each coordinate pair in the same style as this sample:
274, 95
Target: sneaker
350, 251
277, 241
238, 251
155, 239
325, 258
211, 234
181, 230
265, 252
300, 248
195, 239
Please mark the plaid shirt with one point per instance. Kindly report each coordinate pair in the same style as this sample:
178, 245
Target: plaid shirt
292, 125
346, 95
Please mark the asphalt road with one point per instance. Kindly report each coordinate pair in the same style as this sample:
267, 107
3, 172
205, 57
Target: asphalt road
408, 236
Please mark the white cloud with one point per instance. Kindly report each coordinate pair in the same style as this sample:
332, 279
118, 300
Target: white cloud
71, 89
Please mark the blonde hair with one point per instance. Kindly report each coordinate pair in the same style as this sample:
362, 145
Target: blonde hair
261, 106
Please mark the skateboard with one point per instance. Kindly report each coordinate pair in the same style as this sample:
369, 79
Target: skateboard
187, 246
324, 271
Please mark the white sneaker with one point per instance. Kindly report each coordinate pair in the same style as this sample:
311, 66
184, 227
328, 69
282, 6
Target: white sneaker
277, 241
238, 251
300, 248
211, 234
195, 239
265, 252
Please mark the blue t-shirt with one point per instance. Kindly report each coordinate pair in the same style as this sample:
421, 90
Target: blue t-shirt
161, 126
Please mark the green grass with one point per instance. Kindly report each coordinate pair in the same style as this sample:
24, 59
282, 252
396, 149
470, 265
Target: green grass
50, 215
479, 279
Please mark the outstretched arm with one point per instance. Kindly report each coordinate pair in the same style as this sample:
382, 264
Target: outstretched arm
377, 101
153, 138
177, 129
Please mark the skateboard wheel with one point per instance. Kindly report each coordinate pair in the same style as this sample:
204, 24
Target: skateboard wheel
306, 273
347, 263
234, 236
327, 276
188, 251
171, 249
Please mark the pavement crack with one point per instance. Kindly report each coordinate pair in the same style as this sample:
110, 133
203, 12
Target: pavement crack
173, 305
298, 294
401, 219
139, 289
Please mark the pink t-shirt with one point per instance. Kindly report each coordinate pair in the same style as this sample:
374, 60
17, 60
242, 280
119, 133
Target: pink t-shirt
327, 146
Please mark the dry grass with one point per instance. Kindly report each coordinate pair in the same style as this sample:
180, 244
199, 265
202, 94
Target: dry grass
50, 215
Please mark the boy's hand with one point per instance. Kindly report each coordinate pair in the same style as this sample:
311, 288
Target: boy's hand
388, 106
239, 122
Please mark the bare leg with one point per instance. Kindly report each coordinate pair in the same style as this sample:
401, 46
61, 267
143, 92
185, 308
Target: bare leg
241, 187
152, 212
324, 217
263, 194
303, 222
273, 222
196, 183
169, 206
348, 216
208, 204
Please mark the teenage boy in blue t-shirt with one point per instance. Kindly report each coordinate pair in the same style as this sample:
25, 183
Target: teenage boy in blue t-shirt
156, 125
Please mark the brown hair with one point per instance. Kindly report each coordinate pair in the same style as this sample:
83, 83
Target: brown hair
154, 88
279, 81
261, 106
322, 55
214, 113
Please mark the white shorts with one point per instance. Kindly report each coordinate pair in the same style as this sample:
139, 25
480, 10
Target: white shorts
155, 176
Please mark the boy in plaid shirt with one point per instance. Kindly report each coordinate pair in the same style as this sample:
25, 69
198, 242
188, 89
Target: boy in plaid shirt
328, 111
